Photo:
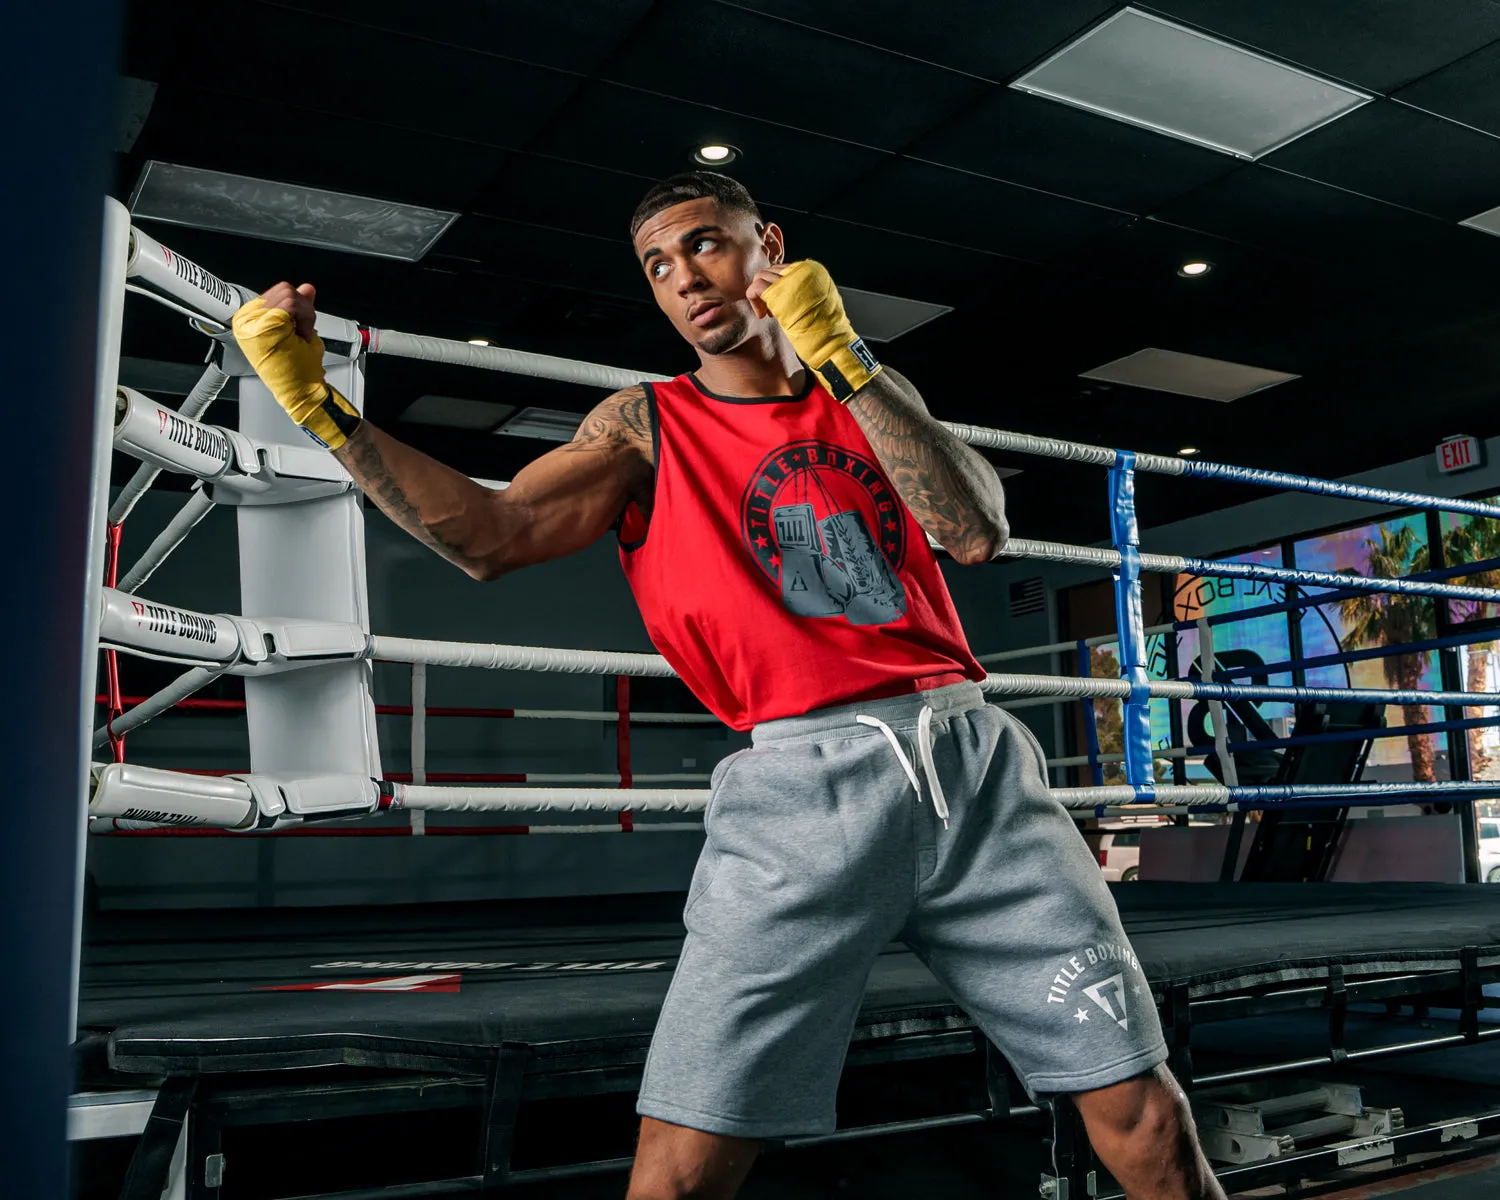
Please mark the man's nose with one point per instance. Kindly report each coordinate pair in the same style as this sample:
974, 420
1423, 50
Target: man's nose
690, 280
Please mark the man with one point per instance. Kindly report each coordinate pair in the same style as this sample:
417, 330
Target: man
772, 509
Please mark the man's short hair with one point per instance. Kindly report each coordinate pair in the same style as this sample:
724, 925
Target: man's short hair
729, 194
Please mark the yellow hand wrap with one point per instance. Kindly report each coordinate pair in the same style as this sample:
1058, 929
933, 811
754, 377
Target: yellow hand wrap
807, 306
293, 370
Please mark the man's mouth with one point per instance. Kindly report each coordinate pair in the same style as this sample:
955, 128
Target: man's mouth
705, 312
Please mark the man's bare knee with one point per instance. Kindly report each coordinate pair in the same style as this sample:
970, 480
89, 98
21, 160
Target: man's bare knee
673, 1162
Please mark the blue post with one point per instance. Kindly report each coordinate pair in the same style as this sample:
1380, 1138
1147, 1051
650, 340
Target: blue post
1137, 707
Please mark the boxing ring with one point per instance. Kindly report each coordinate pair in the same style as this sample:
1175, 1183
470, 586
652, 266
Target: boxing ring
495, 1006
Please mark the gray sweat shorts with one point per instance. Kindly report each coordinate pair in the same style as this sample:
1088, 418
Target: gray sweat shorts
819, 853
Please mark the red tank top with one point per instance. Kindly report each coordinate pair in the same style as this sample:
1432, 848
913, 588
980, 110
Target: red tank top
779, 571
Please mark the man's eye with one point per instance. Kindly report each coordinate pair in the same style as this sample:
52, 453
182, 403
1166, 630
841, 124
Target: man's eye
658, 270
701, 242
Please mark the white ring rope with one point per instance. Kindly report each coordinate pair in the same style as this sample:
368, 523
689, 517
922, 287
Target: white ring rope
551, 800
490, 657
514, 362
1023, 443
158, 702
197, 506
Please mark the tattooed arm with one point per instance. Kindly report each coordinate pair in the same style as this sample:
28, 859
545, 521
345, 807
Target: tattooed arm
949, 486
562, 502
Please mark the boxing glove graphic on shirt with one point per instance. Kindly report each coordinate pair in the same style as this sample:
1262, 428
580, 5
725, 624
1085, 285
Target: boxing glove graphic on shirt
833, 568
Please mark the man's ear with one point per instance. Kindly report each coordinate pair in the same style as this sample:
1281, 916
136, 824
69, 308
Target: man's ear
772, 242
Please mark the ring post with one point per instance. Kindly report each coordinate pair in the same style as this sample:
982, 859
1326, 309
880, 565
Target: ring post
1125, 534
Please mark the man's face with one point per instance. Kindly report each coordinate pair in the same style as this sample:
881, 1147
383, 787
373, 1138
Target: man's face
699, 260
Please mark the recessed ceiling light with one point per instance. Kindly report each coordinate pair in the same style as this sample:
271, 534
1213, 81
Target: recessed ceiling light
715, 154
1192, 269
1187, 451
479, 341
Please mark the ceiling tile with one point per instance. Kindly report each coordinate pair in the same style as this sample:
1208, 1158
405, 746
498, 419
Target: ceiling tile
987, 39
367, 74
1467, 91
576, 36
1293, 215
564, 195
1406, 157
971, 210
1023, 139
547, 256
781, 72
1379, 46
652, 136
197, 128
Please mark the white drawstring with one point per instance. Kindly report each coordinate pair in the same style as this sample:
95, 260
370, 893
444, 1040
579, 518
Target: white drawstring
924, 756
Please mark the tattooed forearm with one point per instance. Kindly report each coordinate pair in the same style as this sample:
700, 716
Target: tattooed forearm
950, 488
365, 457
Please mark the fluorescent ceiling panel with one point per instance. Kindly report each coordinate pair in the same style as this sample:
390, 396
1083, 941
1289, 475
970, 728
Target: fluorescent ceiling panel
286, 212
1145, 71
456, 412
1485, 222
549, 424
883, 318
1187, 375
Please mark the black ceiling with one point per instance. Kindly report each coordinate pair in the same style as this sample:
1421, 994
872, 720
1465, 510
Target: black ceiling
883, 136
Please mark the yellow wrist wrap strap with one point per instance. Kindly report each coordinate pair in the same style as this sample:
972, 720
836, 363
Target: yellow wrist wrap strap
293, 370
807, 306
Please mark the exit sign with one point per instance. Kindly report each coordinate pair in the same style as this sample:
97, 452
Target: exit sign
1457, 454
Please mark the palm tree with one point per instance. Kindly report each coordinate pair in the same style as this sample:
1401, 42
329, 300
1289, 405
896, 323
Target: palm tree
1378, 619
1473, 540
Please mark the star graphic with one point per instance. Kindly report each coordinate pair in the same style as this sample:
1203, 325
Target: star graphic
761, 541
1081, 1016
776, 560
797, 458
891, 525
1135, 989
890, 547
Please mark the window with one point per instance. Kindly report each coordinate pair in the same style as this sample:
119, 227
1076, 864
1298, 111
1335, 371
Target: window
1385, 550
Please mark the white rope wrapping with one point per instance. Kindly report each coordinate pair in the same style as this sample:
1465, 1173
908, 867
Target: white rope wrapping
515, 362
1058, 686
550, 800
179, 689
198, 506
1022, 443
490, 657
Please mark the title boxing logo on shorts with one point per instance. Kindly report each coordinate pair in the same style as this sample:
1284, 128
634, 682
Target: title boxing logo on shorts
158, 618
1109, 995
198, 438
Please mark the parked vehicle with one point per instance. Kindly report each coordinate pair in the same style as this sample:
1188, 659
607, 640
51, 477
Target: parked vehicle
1118, 849
1489, 851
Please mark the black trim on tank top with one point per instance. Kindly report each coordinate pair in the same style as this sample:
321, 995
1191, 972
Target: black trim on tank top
655, 461
807, 387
